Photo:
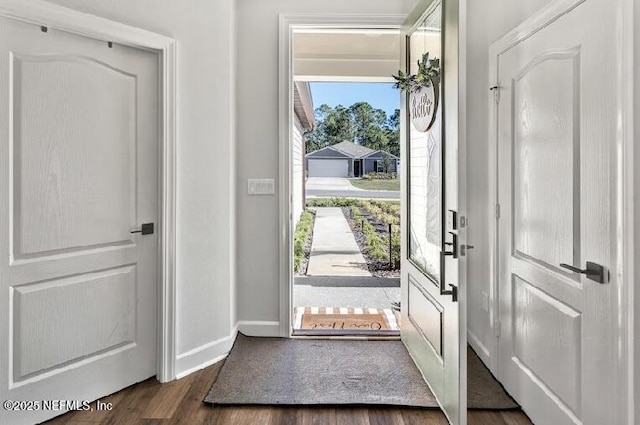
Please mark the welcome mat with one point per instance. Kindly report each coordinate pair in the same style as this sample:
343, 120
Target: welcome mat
345, 321
289, 371
280, 371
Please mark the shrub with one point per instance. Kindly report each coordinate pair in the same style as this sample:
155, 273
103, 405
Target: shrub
377, 244
331, 202
300, 238
380, 176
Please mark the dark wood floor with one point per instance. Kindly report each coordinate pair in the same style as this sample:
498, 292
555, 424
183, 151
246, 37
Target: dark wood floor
180, 402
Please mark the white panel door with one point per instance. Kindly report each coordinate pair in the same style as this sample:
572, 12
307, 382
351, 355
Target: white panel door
328, 168
557, 120
78, 173
432, 283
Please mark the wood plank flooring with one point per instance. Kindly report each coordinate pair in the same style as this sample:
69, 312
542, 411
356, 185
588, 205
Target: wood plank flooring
180, 402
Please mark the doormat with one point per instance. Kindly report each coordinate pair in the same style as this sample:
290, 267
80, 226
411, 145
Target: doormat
288, 371
345, 321
279, 371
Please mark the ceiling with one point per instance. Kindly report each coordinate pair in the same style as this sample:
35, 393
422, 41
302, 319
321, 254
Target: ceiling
346, 55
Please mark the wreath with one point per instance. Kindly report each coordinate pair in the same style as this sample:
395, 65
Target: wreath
428, 70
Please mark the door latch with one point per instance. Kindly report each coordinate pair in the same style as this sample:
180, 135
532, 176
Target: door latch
593, 271
146, 229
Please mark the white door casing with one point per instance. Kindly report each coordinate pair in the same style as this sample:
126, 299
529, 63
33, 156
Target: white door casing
433, 323
557, 138
79, 172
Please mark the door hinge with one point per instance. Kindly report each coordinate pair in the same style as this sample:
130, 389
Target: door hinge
496, 93
497, 211
497, 327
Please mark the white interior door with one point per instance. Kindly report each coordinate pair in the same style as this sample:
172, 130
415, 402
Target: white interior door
557, 129
433, 319
78, 173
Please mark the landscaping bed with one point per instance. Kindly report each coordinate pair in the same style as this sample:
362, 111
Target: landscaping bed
302, 242
369, 221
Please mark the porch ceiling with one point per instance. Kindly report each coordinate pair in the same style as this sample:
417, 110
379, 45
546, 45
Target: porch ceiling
346, 55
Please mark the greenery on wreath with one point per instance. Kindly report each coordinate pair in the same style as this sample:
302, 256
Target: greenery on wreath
428, 69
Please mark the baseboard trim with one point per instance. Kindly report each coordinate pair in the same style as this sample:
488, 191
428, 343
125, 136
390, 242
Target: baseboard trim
481, 350
259, 328
205, 355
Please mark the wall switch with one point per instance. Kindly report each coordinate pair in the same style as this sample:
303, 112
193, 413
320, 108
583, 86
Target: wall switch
261, 187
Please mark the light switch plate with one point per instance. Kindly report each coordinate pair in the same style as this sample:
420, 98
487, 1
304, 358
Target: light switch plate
261, 187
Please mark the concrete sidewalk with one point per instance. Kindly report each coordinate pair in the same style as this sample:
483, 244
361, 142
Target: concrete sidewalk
334, 250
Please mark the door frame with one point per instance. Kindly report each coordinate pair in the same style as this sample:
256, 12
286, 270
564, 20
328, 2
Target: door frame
624, 189
61, 18
288, 23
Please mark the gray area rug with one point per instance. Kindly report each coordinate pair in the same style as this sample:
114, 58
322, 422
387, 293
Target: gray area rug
279, 371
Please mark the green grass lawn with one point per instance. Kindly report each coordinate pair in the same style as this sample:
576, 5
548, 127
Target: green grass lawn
376, 184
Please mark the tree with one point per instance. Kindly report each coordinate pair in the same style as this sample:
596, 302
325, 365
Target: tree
369, 125
334, 125
392, 129
386, 162
360, 123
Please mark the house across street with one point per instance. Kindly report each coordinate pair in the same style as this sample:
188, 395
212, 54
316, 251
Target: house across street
347, 159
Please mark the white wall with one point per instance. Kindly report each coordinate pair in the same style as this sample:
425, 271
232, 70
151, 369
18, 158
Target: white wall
636, 262
258, 286
205, 31
487, 21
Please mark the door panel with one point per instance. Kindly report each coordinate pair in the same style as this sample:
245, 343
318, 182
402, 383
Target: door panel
78, 174
556, 129
108, 297
433, 327
546, 97
426, 315
55, 205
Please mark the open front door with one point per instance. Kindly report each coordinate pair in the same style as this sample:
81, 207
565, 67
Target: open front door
433, 296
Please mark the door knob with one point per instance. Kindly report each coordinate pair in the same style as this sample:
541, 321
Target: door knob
593, 271
146, 229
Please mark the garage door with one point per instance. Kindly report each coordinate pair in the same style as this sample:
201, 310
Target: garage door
328, 168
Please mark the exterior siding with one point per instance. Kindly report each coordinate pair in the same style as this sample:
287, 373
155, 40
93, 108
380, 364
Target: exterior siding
297, 165
370, 161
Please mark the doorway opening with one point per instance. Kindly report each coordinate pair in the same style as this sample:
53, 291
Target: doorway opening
290, 77
345, 188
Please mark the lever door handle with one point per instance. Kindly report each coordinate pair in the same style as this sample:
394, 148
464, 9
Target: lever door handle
146, 229
593, 271
453, 292
464, 248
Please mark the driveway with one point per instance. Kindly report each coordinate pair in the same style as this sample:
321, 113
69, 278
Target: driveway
341, 187
330, 183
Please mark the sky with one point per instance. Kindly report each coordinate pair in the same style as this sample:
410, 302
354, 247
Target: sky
379, 95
